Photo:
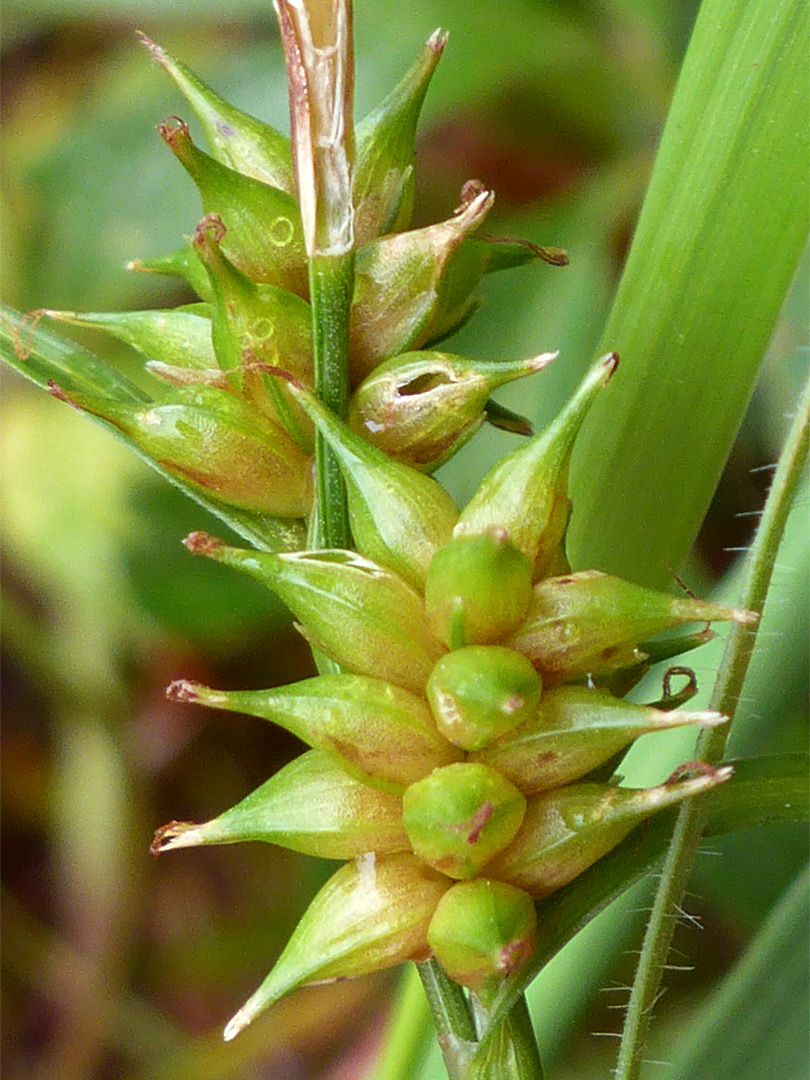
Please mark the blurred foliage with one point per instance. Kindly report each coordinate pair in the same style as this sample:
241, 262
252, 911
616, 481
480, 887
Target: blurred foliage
114, 967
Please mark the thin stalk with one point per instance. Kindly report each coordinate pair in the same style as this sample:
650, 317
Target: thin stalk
454, 1022
691, 818
508, 1049
331, 280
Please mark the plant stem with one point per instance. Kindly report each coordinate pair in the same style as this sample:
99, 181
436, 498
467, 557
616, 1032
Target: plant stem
454, 1022
691, 818
331, 279
509, 1048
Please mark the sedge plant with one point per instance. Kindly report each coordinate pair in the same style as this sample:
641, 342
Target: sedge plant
471, 710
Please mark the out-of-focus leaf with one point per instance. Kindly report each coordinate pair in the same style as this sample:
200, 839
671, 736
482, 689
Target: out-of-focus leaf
756, 1024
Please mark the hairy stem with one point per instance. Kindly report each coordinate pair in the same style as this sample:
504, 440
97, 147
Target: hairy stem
691, 818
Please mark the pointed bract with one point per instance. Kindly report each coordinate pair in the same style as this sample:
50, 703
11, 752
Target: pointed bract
177, 336
378, 731
215, 441
264, 236
360, 614
526, 493
312, 806
236, 139
398, 287
592, 623
566, 830
575, 730
383, 180
182, 264
372, 914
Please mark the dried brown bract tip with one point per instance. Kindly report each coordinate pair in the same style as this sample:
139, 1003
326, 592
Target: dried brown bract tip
202, 543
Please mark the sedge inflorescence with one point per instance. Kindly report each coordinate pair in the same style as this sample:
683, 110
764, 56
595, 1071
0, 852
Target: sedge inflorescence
478, 690
472, 696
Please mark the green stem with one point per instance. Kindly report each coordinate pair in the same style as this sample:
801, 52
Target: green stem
509, 1048
454, 1022
331, 281
691, 818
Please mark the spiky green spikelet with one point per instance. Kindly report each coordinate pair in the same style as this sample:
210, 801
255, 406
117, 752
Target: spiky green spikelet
450, 760
220, 421
480, 680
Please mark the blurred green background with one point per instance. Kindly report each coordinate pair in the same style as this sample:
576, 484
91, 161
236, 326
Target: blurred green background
115, 966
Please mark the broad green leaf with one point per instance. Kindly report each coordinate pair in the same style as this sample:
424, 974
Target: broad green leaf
770, 788
723, 224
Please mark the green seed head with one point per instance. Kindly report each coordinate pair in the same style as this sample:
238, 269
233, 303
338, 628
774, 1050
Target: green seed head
460, 816
480, 692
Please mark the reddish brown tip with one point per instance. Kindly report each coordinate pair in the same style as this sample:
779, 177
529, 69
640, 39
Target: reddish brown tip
202, 543
693, 768
55, 390
211, 226
611, 362
152, 46
167, 833
183, 690
252, 364
438, 40
171, 132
